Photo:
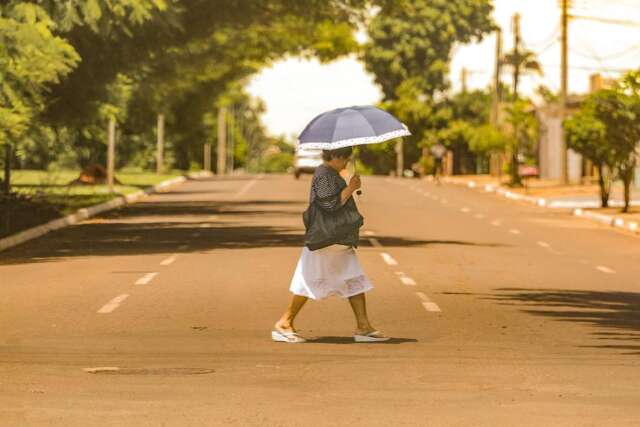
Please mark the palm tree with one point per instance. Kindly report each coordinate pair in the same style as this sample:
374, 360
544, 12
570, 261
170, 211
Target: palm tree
521, 61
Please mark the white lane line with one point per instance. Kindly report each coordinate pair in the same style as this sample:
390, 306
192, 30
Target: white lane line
496, 223
205, 225
544, 244
478, 216
406, 280
196, 234
514, 231
183, 247
245, 188
146, 278
374, 242
465, 210
113, 304
604, 269
369, 233
388, 259
431, 306
214, 218
423, 297
169, 261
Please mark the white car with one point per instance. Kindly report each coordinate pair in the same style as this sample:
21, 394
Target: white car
306, 160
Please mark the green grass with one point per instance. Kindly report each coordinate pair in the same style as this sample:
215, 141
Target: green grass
53, 187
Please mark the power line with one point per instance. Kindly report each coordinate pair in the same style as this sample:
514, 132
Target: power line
607, 20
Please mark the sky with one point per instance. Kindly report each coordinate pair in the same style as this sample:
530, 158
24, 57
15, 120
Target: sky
296, 90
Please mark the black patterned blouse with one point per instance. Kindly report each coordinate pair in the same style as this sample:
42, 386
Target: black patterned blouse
326, 187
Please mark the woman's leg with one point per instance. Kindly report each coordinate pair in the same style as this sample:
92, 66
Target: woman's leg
359, 307
285, 324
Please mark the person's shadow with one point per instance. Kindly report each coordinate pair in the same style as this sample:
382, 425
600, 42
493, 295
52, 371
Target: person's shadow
349, 340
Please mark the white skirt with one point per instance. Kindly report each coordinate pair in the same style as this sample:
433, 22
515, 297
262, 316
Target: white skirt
333, 270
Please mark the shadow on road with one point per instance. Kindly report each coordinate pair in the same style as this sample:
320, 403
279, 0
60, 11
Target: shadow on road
349, 340
616, 314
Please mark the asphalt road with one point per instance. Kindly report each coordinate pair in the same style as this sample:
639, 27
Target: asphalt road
501, 313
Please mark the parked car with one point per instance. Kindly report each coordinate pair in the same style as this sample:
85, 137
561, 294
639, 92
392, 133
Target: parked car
306, 160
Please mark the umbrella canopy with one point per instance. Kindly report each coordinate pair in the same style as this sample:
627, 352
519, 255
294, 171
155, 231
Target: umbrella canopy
346, 127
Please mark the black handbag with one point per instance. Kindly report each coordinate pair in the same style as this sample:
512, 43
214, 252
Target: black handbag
325, 228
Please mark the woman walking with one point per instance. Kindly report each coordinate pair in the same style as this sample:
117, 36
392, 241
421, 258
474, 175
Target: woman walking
328, 264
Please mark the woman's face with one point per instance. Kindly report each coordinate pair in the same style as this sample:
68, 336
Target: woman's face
342, 162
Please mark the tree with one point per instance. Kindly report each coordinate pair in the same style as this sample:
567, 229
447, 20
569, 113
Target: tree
607, 130
521, 61
524, 130
588, 136
32, 58
408, 53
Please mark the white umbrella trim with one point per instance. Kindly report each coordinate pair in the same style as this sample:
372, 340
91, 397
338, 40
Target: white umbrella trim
356, 141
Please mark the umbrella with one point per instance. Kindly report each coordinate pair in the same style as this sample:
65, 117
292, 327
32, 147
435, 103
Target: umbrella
347, 127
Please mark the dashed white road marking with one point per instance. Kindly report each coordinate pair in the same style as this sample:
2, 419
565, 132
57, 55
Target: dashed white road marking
374, 242
478, 216
388, 259
544, 244
604, 269
369, 233
423, 297
406, 280
146, 278
113, 304
514, 231
183, 247
465, 210
496, 223
246, 187
196, 234
427, 303
169, 261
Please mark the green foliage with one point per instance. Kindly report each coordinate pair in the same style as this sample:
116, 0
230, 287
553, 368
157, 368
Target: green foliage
413, 39
487, 139
607, 129
31, 59
408, 54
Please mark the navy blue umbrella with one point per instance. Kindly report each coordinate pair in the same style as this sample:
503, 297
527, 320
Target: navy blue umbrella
346, 127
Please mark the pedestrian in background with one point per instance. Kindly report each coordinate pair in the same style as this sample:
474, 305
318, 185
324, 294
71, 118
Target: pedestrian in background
328, 264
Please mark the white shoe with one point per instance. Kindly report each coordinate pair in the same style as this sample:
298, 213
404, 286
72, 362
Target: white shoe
291, 337
375, 336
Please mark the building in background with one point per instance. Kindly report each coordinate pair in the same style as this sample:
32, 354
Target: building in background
550, 142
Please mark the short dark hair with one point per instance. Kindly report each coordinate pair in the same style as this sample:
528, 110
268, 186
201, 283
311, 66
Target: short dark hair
344, 153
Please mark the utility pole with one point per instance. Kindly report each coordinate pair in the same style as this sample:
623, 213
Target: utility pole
564, 87
400, 158
222, 142
495, 164
206, 157
160, 144
232, 140
497, 87
516, 53
7, 168
111, 153
464, 73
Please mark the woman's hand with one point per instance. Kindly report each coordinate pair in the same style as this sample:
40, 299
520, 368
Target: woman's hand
355, 183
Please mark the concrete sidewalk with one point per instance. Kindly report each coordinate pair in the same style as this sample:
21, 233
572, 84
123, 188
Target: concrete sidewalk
582, 200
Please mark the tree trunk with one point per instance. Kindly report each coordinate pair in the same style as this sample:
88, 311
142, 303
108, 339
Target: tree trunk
626, 173
603, 182
7, 168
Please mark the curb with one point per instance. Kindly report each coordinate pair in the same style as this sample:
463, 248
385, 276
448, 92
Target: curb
85, 213
608, 220
542, 202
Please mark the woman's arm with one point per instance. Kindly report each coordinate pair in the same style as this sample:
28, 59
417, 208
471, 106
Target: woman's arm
354, 184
